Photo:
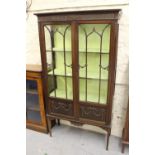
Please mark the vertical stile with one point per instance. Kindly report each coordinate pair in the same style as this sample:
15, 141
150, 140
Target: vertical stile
100, 64
53, 59
64, 50
100, 67
75, 68
65, 64
86, 65
112, 64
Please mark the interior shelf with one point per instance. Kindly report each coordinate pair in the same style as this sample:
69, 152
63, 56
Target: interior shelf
89, 50
32, 102
61, 94
32, 91
90, 74
91, 97
59, 72
93, 75
33, 108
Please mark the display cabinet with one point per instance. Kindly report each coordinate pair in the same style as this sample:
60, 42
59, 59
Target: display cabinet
35, 111
78, 51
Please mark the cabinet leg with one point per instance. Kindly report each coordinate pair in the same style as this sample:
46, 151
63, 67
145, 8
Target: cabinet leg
107, 145
58, 121
49, 126
123, 146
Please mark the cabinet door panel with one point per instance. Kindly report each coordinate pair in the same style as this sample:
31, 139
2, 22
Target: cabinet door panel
32, 102
59, 60
61, 106
94, 49
33, 116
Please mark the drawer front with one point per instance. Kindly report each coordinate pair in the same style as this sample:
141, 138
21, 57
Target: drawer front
60, 106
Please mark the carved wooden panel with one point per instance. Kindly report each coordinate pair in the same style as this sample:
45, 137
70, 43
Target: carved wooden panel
59, 106
92, 112
74, 16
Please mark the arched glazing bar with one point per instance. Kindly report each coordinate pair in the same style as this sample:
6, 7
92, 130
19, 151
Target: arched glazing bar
52, 32
100, 59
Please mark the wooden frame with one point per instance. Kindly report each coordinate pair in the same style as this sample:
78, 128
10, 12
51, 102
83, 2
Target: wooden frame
76, 18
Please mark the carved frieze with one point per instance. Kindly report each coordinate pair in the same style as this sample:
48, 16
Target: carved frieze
61, 107
94, 113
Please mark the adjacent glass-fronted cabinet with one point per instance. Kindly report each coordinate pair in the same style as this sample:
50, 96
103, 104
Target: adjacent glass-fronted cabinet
35, 111
78, 52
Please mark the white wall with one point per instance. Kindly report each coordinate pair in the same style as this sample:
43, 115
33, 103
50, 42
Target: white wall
121, 90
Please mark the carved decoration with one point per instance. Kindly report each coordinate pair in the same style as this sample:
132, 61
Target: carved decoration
94, 113
74, 17
61, 107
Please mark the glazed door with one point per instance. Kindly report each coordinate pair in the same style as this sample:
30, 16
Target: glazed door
93, 52
35, 114
59, 68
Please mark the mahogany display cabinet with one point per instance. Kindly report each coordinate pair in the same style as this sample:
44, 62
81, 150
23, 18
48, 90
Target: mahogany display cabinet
35, 111
78, 51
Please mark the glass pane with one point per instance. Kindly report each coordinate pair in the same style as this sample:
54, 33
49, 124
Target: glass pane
94, 45
31, 85
32, 102
59, 60
32, 98
93, 91
33, 116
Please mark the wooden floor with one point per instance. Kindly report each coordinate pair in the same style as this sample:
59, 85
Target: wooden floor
68, 140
